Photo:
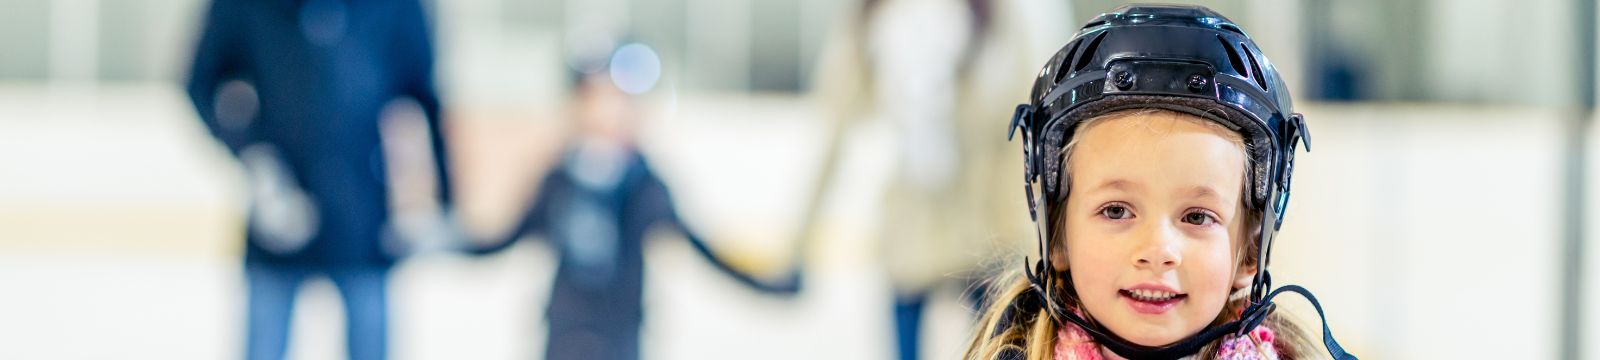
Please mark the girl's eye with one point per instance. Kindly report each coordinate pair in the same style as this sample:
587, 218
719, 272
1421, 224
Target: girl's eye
1115, 212
1198, 218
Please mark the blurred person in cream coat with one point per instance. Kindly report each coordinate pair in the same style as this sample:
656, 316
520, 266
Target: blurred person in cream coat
943, 76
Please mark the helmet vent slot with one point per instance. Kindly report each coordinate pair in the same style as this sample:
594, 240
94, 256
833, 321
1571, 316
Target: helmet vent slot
1255, 69
1088, 52
1233, 57
1066, 60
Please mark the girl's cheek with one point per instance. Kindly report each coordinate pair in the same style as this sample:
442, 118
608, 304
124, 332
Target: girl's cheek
1211, 230
1213, 264
1083, 253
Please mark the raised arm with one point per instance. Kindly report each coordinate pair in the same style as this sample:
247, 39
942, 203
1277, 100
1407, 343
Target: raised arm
414, 54
218, 57
659, 205
534, 220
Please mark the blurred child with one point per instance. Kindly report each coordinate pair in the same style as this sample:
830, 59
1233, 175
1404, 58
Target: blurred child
595, 208
1175, 139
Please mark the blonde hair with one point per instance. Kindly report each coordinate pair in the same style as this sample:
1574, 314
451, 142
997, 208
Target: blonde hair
1035, 335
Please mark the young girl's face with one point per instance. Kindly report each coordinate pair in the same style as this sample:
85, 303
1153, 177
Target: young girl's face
1153, 223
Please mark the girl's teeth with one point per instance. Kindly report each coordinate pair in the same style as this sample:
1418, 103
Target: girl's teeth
1151, 295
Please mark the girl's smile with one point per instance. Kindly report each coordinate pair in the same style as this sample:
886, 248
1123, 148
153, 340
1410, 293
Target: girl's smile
1151, 298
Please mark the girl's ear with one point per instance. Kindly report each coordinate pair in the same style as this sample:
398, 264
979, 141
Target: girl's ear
1058, 241
1247, 271
1058, 256
1246, 275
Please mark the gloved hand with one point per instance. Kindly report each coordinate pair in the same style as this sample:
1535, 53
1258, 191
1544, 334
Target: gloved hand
788, 285
411, 232
283, 217
785, 284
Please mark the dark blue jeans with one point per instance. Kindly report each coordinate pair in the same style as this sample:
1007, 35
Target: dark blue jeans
569, 340
908, 324
272, 293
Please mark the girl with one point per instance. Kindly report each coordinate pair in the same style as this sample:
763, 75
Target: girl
1175, 140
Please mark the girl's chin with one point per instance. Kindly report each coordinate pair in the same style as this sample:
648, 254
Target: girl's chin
1147, 334
1146, 329
1151, 340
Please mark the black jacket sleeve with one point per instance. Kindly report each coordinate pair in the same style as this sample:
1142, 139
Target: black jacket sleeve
414, 52
660, 207
218, 57
534, 220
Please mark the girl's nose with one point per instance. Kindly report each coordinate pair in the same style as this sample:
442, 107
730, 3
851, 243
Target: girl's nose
1156, 247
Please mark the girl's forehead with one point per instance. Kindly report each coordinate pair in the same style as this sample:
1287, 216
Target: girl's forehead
1159, 151
1157, 122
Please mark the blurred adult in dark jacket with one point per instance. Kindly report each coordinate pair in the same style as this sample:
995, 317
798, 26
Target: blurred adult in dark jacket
595, 209
294, 89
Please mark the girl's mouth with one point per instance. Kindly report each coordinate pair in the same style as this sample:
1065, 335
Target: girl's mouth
1151, 302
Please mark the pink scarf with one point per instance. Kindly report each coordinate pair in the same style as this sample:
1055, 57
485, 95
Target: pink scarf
1072, 343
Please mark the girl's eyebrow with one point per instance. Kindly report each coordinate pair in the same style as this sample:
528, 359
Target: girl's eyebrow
1117, 184
1203, 191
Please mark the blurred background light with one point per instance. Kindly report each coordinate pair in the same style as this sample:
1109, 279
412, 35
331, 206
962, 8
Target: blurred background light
635, 68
